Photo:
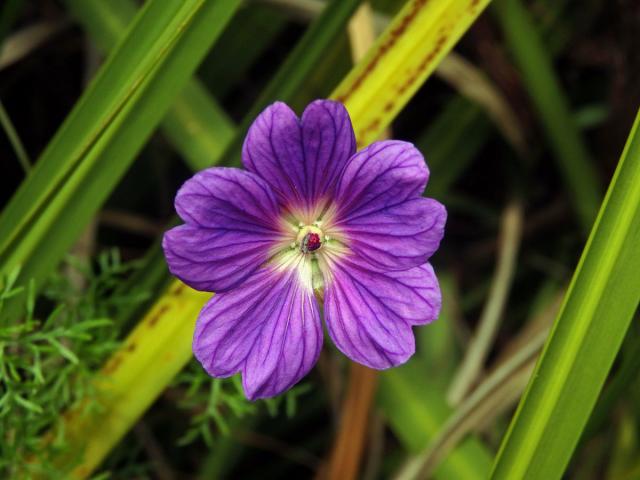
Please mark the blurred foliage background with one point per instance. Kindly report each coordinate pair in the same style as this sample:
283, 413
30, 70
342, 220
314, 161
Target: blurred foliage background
522, 125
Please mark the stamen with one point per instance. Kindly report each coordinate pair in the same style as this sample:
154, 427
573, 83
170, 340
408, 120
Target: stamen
311, 242
310, 239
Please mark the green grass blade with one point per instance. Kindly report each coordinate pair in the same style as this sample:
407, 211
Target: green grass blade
416, 410
14, 140
489, 322
197, 125
106, 22
447, 155
248, 39
108, 127
574, 160
586, 336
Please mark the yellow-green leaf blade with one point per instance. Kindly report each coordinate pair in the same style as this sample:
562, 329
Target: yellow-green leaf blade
402, 59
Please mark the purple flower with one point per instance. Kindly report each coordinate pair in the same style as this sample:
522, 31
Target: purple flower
308, 217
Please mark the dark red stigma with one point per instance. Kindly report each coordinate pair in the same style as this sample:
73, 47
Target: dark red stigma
311, 242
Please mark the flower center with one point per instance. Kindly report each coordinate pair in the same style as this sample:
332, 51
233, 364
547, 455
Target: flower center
309, 239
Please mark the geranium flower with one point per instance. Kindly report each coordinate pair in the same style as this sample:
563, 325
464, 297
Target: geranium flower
309, 220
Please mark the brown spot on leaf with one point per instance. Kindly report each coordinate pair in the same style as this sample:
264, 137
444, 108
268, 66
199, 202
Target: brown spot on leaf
156, 317
112, 365
178, 289
82, 471
394, 34
411, 79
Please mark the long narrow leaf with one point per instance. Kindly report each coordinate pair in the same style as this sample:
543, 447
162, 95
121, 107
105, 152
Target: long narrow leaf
573, 158
416, 410
106, 130
586, 336
403, 57
196, 125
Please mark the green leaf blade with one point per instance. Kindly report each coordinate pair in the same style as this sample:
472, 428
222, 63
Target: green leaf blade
535, 64
196, 125
107, 129
586, 337
417, 410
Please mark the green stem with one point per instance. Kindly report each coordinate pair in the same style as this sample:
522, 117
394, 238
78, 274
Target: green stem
480, 346
14, 139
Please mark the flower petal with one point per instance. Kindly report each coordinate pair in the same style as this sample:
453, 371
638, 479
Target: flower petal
211, 259
398, 237
380, 209
269, 329
300, 159
379, 176
329, 142
231, 225
369, 314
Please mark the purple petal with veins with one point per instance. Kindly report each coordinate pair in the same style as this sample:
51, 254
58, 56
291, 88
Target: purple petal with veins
269, 329
231, 220
381, 209
369, 313
300, 159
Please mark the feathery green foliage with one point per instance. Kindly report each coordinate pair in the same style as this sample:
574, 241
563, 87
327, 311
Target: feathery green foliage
48, 362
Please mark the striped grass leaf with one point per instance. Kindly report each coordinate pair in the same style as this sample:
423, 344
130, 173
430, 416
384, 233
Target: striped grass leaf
196, 124
405, 37
600, 303
408, 51
106, 129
